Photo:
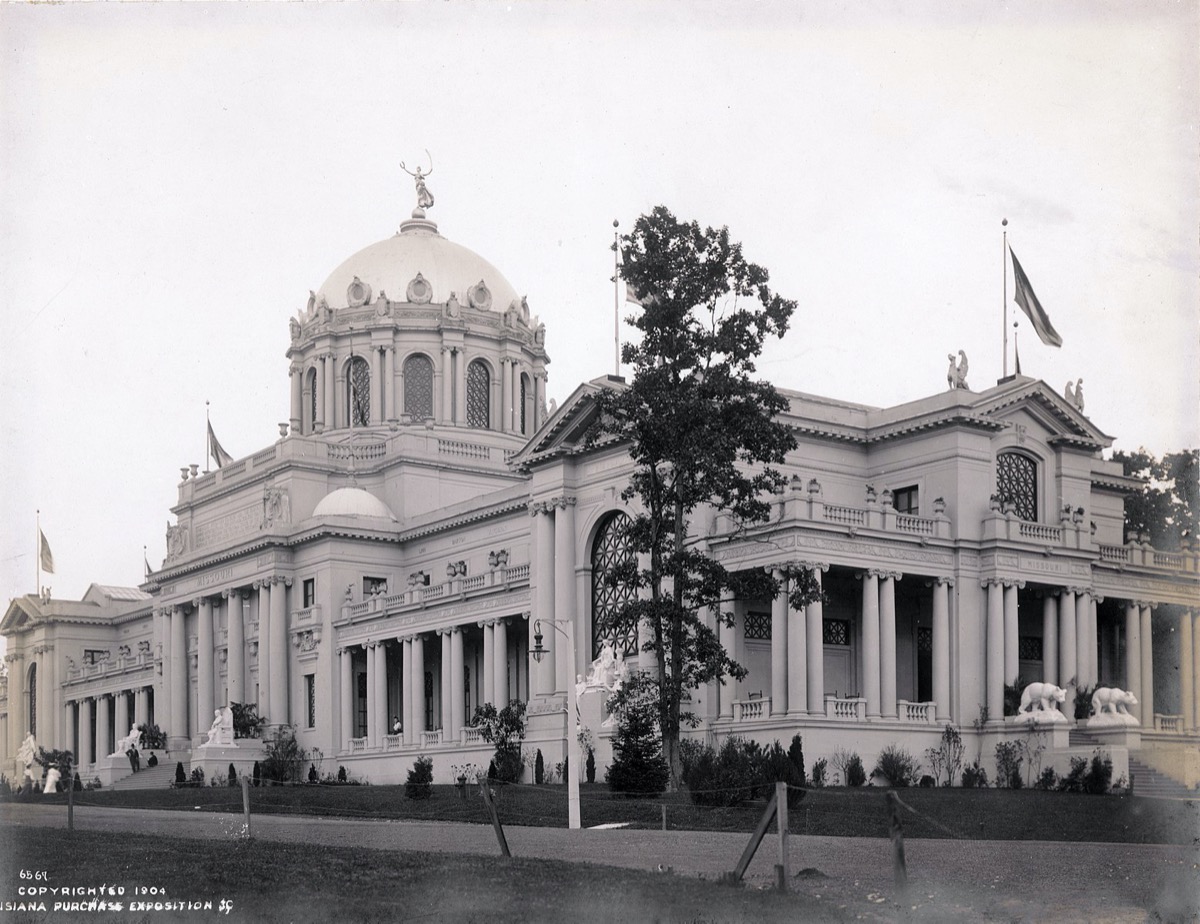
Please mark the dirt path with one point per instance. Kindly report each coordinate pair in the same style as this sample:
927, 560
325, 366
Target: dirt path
949, 879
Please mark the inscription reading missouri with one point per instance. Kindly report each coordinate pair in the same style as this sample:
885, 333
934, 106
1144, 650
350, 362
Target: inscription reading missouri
228, 527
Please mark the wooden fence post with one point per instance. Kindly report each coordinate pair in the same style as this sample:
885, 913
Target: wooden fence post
781, 825
246, 801
485, 791
755, 840
899, 871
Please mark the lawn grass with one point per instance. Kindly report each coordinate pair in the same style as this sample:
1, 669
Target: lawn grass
962, 813
269, 882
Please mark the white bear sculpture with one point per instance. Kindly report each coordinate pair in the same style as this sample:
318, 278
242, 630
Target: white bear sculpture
1039, 704
1109, 707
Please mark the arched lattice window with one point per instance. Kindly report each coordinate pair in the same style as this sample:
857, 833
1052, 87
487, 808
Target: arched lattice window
479, 405
33, 700
1016, 482
312, 400
358, 392
418, 387
611, 550
525, 416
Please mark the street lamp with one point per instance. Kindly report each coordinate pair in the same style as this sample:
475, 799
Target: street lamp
539, 651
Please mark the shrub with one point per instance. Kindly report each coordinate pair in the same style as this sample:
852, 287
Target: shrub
974, 777
151, 736
796, 755
776, 766
539, 768
247, 723
504, 728
1099, 776
590, 766
1083, 702
5, 786
899, 766
818, 772
638, 766
420, 779
1073, 781
341, 777
1012, 697
1009, 755
257, 774
77, 784
1048, 780
724, 777
217, 780
946, 757
855, 774
180, 776
197, 777
232, 776
313, 776
284, 756
927, 782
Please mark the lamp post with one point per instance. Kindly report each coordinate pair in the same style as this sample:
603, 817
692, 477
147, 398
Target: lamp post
539, 651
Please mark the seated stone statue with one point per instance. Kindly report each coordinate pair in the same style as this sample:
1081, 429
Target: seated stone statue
220, 733
129, 741
1039, 704
609, 670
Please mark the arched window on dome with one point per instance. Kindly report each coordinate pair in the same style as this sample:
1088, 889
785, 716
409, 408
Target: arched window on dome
526, 404
1016, 483
358, 392
479, 386
418, 387
33, 700
310, 425
610, 552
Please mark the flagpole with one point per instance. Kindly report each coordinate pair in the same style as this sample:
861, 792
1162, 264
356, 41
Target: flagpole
616, 296
37, 581
207, 427
1004, 293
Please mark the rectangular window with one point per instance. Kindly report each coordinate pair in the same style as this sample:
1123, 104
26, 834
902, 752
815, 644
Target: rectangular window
835, 632
372, 586
310, 699
310, 592
758, 625
905, 500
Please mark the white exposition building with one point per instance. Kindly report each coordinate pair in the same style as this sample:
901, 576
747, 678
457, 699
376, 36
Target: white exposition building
388, 555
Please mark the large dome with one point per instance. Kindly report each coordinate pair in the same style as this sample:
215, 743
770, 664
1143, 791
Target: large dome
353, 502
392, 265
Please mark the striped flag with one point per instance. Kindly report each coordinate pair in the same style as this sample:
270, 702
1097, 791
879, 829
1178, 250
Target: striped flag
1033, 309
215, 450
44, 554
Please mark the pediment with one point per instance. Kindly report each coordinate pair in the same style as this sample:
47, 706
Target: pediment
19, 615
565, 431
1063, 423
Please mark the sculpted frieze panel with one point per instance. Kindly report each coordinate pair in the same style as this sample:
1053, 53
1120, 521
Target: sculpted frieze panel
231, 526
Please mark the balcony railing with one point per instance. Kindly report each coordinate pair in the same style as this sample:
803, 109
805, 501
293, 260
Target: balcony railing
751, 710
393, 742
852, 709
1168, 724
920, 713
358, 744
431, 738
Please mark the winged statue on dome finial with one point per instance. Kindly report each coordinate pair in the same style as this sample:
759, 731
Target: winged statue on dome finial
424, 196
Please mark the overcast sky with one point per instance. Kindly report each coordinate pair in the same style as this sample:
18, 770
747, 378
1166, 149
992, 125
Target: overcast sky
174, 178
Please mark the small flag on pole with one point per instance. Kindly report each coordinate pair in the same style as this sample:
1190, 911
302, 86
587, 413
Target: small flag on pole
632, 296
215, 451
1029, 303
147, 563
44, 554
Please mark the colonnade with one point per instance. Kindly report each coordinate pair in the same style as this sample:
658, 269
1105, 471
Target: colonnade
388, 389
111, 714
1189, 662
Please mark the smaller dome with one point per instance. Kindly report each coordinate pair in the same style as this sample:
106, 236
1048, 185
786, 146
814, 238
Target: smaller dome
353, 502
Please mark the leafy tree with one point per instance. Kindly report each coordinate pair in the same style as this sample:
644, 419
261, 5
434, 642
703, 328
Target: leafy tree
284, 756
702, 433
505, 728
420, 779
1167, 508
247, 723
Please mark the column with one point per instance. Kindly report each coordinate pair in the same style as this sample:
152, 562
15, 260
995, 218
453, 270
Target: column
1133, 655
264, 651
47, 714
500, 668
86, 756
236, 665
779, 646
141, 706
505, 396
814, 617
1050, 639
539, 396
488, 689
797, 662
387, 391
457, 682
346, 681
1196, 668
1094, 602
371, 733
446, 412
870, 641
297, 397
1066, 643
376, 401
515, 390
417, 686
941, 649
407, 715
1083, 639
544, 595
330, 393
121, 717
162, 701
279, 653
1146, 697
179, 678
382, 720
1186, 678
460, 387
1012, 665
887, 644
102, 726
728, 690
318, 400
204, 662
447, 687
341, 395
995, 649
564, 585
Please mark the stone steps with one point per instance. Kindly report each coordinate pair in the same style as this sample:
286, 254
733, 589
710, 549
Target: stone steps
160, 777
1149, 782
